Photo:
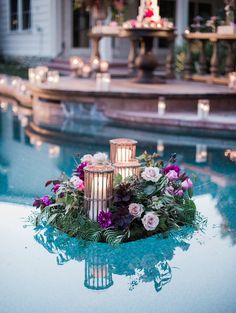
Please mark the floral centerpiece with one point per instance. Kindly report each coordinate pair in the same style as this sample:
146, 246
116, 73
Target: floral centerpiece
154, 201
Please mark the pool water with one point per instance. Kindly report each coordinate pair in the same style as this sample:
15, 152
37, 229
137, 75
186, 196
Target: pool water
43, 270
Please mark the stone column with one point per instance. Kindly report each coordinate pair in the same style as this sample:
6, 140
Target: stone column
182, 13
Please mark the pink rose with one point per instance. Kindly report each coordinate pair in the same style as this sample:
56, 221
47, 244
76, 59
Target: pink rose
150, 221
77, 183
172, 175
170, 190
187, 184
136, 209
180, 193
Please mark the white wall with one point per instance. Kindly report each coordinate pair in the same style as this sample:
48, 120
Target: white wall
41, 40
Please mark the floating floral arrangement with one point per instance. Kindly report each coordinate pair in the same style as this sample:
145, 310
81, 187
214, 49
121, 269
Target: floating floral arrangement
119, 200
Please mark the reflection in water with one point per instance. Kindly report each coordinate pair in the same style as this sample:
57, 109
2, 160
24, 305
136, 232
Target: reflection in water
142, 263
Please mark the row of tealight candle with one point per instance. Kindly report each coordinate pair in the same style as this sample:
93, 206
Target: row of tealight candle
81, 69
16, 83
42, 74
98, 181
203, 108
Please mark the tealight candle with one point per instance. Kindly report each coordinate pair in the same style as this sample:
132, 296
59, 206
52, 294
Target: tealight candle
106, 81
31, 74
76, 63
95, 64
86, 71
161, 106
53, 77
232, 80
203, 109
104, 66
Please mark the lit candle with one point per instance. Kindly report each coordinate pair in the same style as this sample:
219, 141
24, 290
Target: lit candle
232, 80
86, 71
106, 81
31, 74
98, 189
203, 109
128, 169
54, 151
53, 77
201, 153
98, 81
122, 150
161, 106
95, 64
123, 155
3, 80
160, 147
104, 66
76, 63
3, 106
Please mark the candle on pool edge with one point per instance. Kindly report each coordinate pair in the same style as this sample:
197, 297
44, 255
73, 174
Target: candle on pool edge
104, 66
203, 109
161, 106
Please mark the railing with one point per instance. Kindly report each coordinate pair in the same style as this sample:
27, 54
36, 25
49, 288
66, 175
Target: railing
210, 70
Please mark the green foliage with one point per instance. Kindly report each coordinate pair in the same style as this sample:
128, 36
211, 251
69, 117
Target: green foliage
66, 210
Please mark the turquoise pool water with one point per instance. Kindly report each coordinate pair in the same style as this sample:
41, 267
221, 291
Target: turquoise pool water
42, 270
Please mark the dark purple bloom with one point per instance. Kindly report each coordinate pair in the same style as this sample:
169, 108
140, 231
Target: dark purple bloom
122, 218
55, 188
105, 219
37, 203
44, 201
80, 170
169, 168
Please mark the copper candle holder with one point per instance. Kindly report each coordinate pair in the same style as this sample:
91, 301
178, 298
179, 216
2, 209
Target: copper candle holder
123, 150
98, 191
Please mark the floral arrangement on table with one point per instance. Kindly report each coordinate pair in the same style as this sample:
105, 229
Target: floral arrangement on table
119, 200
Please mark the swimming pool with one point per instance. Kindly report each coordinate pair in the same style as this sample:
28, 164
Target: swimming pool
43, 270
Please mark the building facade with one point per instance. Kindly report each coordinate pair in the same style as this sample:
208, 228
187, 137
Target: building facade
52, 28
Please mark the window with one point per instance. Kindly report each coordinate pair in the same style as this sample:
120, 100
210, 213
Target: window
20, 14
14, 22
26, 14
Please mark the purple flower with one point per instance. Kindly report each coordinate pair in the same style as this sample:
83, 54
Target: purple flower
44, 201
55, 188
187, 184
80, 170
169, 168
105, 219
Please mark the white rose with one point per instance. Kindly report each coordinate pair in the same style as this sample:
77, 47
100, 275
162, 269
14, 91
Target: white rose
136, 209
151, 174
100, 158
150, 221
87, 158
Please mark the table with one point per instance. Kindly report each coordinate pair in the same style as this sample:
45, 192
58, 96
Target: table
144, 60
